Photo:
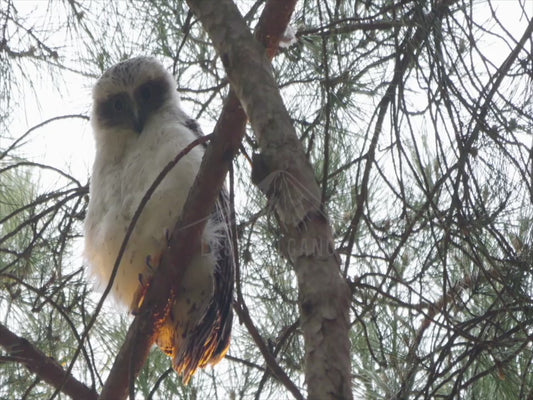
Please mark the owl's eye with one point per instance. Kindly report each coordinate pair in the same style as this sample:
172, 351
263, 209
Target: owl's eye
146, 93
151, 94
114, 110
118, 105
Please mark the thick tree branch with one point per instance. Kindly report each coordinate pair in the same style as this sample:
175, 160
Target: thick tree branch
284, 174
46, 368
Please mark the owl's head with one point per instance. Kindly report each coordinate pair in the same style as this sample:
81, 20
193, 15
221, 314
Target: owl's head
128, 94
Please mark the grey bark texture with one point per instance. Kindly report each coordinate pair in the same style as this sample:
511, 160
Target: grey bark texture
284, 174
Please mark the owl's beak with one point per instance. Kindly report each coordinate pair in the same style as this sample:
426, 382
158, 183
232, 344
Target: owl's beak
138, 120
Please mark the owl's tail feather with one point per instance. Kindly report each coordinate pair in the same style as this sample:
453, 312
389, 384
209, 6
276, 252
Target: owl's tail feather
206, 345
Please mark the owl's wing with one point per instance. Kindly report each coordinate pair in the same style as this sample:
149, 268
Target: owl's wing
224, 274
209, 340
225, 266
220, 314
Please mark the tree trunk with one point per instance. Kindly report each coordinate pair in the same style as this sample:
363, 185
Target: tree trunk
284, 174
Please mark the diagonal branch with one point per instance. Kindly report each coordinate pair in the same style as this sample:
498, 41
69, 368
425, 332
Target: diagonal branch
46, 368
285, 175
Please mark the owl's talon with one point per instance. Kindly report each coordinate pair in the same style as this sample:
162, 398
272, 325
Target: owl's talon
149, 262
140, 294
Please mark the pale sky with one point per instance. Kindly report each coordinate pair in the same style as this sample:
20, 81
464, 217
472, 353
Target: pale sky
69, 143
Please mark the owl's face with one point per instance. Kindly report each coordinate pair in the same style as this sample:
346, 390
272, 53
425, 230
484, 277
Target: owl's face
129, 93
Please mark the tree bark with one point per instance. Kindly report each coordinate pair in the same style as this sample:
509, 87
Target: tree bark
284, 174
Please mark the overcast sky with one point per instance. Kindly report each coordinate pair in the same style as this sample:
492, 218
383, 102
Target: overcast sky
68, 143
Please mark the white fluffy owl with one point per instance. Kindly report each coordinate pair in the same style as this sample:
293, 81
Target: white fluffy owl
139, 127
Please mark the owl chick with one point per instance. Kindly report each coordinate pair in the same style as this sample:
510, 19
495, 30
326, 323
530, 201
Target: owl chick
139, 126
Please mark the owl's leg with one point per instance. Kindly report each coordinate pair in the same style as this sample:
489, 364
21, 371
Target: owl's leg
144, 283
